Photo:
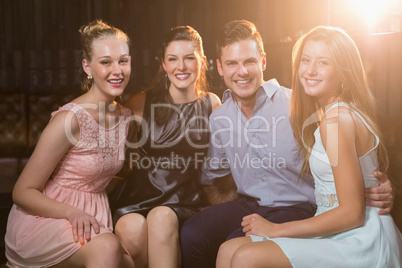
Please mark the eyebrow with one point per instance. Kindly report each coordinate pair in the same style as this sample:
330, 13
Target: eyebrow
230, 61
306, 55
174, 55
251, 59
108, 56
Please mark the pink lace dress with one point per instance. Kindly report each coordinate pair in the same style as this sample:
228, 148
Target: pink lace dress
79, 180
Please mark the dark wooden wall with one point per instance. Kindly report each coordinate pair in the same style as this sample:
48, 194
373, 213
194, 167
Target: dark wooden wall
40, 57
40, 48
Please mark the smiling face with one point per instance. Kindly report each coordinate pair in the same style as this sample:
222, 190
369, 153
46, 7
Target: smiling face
241, 65
182, 64
110, 66
317, 72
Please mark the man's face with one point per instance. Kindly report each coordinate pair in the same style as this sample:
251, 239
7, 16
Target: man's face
242, 66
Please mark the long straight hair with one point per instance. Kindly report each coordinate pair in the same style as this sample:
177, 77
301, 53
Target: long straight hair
355, 91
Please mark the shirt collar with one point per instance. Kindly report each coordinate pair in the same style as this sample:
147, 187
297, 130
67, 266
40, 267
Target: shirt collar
269, 88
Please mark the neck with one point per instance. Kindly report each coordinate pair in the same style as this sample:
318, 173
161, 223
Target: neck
96, 97
182, 96
246, 105
325, 105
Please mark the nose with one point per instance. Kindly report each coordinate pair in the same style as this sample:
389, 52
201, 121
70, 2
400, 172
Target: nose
182, 65
116, 68
243, 70
311, 69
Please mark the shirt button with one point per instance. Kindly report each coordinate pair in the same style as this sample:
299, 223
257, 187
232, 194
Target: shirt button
254, 135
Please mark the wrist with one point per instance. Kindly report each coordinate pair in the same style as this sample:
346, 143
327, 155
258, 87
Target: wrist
69, 211
277, 231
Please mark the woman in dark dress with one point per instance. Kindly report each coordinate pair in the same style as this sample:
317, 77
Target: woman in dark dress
150, 206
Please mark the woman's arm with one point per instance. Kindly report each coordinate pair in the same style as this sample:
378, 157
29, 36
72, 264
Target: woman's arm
56, 139
51, 147
339, 136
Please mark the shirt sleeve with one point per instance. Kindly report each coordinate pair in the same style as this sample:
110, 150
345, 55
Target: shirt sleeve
216, 163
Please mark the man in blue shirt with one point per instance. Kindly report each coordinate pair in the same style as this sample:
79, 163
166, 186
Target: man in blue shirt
252, 141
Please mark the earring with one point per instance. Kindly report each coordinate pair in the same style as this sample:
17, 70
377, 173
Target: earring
166, 82
89, 77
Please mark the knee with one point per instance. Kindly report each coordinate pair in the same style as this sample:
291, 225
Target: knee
163, 222
132, 231
106, 248
224, 255
130, 225
240, 258
113, 246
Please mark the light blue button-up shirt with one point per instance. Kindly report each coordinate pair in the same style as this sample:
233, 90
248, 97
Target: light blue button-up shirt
261, 153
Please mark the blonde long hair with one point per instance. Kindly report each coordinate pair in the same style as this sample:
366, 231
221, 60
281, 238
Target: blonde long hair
355, 91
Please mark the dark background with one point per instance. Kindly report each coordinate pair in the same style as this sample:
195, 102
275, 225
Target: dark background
40, 61
40, 46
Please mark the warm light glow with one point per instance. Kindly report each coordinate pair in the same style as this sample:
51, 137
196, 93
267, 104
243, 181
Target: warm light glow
371, 11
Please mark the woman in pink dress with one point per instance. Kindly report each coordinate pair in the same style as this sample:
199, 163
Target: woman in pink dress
61, 215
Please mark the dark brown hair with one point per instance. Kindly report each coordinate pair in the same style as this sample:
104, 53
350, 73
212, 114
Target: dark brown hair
238, 30
160, 84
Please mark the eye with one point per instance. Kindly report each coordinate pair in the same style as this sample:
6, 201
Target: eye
323, 62
124, 61
251, 61
105, 62
304, 59
171, 59
191, 58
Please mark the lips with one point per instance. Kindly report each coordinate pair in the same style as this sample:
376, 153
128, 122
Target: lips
312, 82
182, 76
116, 82
242, 83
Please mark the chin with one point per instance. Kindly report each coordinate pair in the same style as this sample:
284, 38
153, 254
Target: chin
117, 92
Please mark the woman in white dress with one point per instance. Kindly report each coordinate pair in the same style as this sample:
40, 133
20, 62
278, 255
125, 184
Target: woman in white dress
333, 120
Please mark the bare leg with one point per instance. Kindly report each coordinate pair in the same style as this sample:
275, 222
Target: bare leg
260, 254
132, 231
227, 250
104, 250
163, 238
